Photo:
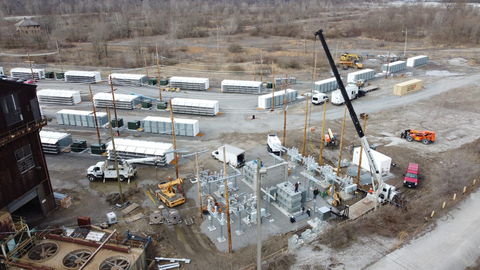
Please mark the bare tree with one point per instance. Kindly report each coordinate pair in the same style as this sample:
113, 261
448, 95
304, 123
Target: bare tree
99, 37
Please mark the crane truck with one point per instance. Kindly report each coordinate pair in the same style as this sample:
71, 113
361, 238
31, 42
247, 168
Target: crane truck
104, 170
382, 192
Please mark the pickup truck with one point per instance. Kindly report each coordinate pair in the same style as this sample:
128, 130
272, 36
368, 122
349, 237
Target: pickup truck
411, 176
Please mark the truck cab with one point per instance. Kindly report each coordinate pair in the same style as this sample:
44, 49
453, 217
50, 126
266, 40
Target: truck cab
274, 145
319, 98
411, 176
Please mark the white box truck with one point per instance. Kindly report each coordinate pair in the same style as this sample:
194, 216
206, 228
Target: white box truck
382, 161
274, 145
233, 155
337, 98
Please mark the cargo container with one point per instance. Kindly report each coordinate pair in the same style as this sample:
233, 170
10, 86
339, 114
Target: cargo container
365, 75
401, 89
326, 85
63, 97
128, 79
189, 83
83, 76
242, 87
417, 61
394, 67
382, 161
195, 106
26, 73
265, 101
163, 125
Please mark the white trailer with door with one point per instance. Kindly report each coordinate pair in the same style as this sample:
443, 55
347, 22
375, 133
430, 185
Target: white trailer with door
337, 97
382, 161
233, 155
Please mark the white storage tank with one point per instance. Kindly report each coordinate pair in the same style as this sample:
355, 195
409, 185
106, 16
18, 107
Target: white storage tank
163, 125
242, 87
326, 85
417, 61
394, 67
189, 83
265, 101
382, 161
26, 73
128, 79
133, 149
195, 106
365, 75
83, 76
63, 97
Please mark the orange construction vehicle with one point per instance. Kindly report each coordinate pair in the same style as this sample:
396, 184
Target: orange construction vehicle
425, 137
330, 138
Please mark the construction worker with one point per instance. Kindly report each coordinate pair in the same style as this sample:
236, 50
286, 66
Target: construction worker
315, 193
296, 186
169, 179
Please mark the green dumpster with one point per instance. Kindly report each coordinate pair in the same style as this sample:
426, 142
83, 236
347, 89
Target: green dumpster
152, 81
120, 122
98, 148
60, 75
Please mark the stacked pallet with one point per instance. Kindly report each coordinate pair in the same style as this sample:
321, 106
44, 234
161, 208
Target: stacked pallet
63, 97
127, 102
242, 87
132, 149
128, 79
83, 76
26, 73
195, 106
265, 101
54, 142
188, 83
163, 125
80, 118
281, 81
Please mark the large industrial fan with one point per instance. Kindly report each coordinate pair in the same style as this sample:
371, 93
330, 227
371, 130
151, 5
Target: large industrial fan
115, 263
75, 259
42, 252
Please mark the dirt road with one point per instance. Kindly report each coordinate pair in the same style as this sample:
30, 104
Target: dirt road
454, 244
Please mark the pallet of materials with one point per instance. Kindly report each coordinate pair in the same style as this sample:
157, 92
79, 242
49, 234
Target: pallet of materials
126, 102
242, 87
26, 73
54, 142
195, 106
326, 85
132, 149
417, 61
189, 83
163, 125
365, 75
83, 76
128, 79
80, 118
63, 97
265, 101
394, 67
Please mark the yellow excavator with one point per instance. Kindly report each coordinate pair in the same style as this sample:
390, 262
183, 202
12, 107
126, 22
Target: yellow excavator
171, 193
348, 60
349, 57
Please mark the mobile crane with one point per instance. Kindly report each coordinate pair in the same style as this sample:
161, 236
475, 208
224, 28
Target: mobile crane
381, 191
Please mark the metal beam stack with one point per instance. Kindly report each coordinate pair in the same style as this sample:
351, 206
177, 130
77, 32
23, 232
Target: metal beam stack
53, 142
26, 73
80, 118
281, 81
63, 97
127, 102
195, 106
163, 125
242, 87
188, 83
132, 149
83, 76
128, 79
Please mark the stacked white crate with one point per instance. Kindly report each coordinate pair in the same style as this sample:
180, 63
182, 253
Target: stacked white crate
53, 142
131, 149
163, 125
83, 76
281, 81
189, 83
26, 73
417, 61
128, 79
195, 106
364, 75
326, 85
394, 67
265, 101
242, 87
64, 97
80, 118
127, 102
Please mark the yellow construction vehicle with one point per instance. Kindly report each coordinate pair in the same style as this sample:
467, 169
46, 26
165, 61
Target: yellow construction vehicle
349, 63
330, 138
350, 57
171, 193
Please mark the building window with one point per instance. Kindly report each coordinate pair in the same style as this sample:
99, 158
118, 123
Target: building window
11, 109
24, 159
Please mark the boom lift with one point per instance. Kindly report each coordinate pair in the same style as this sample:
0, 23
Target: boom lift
330, 138
381, 191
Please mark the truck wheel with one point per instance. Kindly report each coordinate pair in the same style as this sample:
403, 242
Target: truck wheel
122, 178
425, 141
409, 138
91, 178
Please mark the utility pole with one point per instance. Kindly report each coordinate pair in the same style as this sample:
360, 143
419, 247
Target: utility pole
31, 68
273, 89
261, 63
405, 49
146, 67
114, 105
227, 202
94, 113
174, 141
259, 215
388, 60
115, 155
323, 134
254, 71
314, 72
305, 129
361, 151
341, 141
198, 186
59, 57
158, 74
285, 100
